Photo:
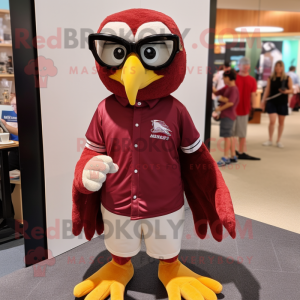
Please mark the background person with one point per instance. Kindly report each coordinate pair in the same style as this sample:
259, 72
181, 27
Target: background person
218, 82
218, 77
13, 156
12, 127
247, 87
228, 99
294, 76
275, 101
296, 88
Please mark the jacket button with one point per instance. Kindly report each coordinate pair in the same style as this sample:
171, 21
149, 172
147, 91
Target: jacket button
134, 197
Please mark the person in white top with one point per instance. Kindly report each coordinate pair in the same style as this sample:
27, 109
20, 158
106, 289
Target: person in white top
292, 73
218, 82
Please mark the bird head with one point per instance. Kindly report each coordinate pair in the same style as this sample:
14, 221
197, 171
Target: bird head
139, 54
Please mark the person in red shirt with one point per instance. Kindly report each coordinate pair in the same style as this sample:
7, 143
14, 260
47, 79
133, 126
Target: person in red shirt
247, 89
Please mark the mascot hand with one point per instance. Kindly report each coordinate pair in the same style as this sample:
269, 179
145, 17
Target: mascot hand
94, 172
181, 281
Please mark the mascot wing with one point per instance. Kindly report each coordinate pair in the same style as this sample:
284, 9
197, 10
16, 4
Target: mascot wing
86, 205
207, 194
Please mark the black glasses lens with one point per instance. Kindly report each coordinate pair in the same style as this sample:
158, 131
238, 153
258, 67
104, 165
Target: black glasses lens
110, 53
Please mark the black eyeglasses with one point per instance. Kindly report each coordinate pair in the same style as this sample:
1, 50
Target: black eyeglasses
155, 52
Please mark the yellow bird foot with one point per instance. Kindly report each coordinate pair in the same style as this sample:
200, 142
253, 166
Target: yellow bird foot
111, 280
181, 281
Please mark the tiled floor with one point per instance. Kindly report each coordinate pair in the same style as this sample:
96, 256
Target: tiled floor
263, 262
266, 190
11, 257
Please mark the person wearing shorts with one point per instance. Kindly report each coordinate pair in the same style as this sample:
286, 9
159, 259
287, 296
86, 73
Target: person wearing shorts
229, 99
275, 101
247, 87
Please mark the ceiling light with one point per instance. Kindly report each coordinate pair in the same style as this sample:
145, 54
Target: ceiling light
258, 29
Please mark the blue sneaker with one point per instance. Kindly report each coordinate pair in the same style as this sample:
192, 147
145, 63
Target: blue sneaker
223, 162
234, 159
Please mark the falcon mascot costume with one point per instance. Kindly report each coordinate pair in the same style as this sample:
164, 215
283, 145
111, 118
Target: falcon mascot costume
142, 154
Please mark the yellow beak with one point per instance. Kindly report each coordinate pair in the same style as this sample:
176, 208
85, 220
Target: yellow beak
134, 77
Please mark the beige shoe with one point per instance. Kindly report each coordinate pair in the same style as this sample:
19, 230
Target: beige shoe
267, 143
279, 145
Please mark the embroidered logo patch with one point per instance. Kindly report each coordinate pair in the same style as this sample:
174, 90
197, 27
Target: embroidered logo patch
160, 127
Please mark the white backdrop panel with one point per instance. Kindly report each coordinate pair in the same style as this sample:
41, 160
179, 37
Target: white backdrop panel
69, 100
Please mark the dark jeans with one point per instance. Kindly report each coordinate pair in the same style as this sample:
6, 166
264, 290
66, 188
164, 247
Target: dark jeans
13, 163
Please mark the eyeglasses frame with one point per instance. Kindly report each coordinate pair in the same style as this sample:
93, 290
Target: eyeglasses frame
134, 47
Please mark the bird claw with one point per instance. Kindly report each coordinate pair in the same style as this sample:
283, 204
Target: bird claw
181, 281
111, 279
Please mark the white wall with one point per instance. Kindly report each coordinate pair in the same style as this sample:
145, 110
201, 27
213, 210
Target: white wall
69, 101
273, 5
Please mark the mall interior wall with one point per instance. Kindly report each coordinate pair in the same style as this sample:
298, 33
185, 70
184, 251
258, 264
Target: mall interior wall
4, 4
278, 5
